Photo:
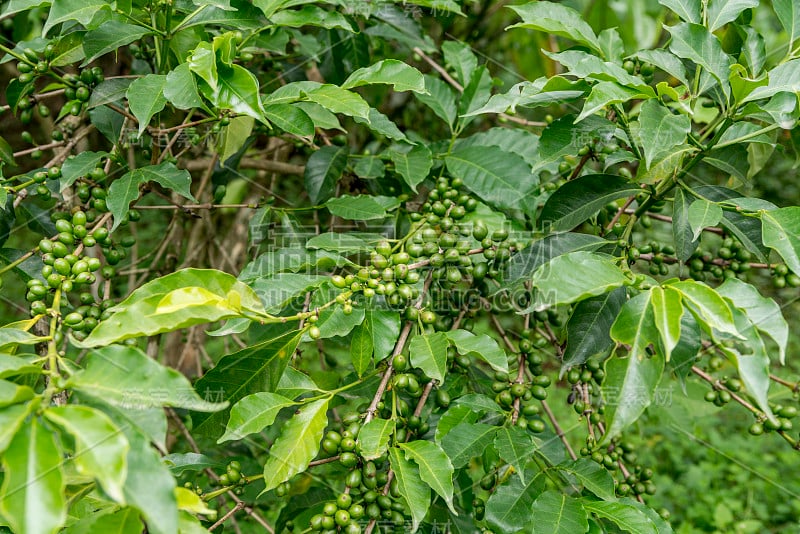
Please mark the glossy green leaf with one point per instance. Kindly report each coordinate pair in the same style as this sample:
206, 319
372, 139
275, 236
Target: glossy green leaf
381, 125
125, 189
525, 262
251, 370
688, 10
178, 300
557, 513
703, 214
373, 438
746, 229
630, 383
660, 130
435, 468
588, 328
429, 353
181, 88
415, 493
556, 19
237, 90
682, 234
781, 232
400, 76
108, 92
515, 446
696, 43
126, 378
499, 178
323, 170
12, 393
11, 336
509, 508
83, 11
290, 259
788, 13
244, 16
413, 163
573, 277
311, 15
361, 207
252, 414
593, 476
146, 98
441, 99
32, 495
180, 463
150, 487
11, 420
338, 100
110, 36
384, 328
480, 346
665, 61
667, 314
721, 12
297, 444
707, 305
626, 516
581, 198
605, 94
78, 166
361, 347
540, 92
123, 521
764, 312
585, 65
461, 59
467, 439
290, 119
101, 448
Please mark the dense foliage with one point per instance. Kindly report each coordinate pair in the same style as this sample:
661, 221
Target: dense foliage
336, 265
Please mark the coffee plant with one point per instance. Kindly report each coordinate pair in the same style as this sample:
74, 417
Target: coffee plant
337, 266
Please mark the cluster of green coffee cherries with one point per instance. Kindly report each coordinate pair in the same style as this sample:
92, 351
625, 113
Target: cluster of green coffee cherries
784, 414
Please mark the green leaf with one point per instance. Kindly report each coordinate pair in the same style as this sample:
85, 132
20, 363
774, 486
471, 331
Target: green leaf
696, 43
181, 88
605, 94
593, 476
764, 312
110, 36
400, 76
703, 214
688, 10
79, 166
510, 506
236, 90
108, 92
385, 329
253, 413
361, 207
661, 130
577, 200
124, 521
251, 370
746, 229
667, 314
630, 383
562, 137
146, 98
83, 11
373, 438
178, 300
721, 12
515, 446
556, 19
573, 277
234, 137
412, 163
311, 16
245, 17
415, 493
441, 99
32, 496
788, 13
435, 468
526, 261
626, 516
707, 305
540, 92
781, 232
338, 100
682, 234
101, 448
297, 444
665, 61
480, 346
12, 393
467, 439
11, 420
10, 336
290, 119
126, 188
586, 65
361, 348
381, 125
557, 513
150, 487
323, 170
429, 353
126, 377
6, 153
588, 328
290, 259
500, 178
459, 57
188, 462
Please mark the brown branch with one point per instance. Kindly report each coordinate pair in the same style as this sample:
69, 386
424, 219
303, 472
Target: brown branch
239, 505
558, 429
